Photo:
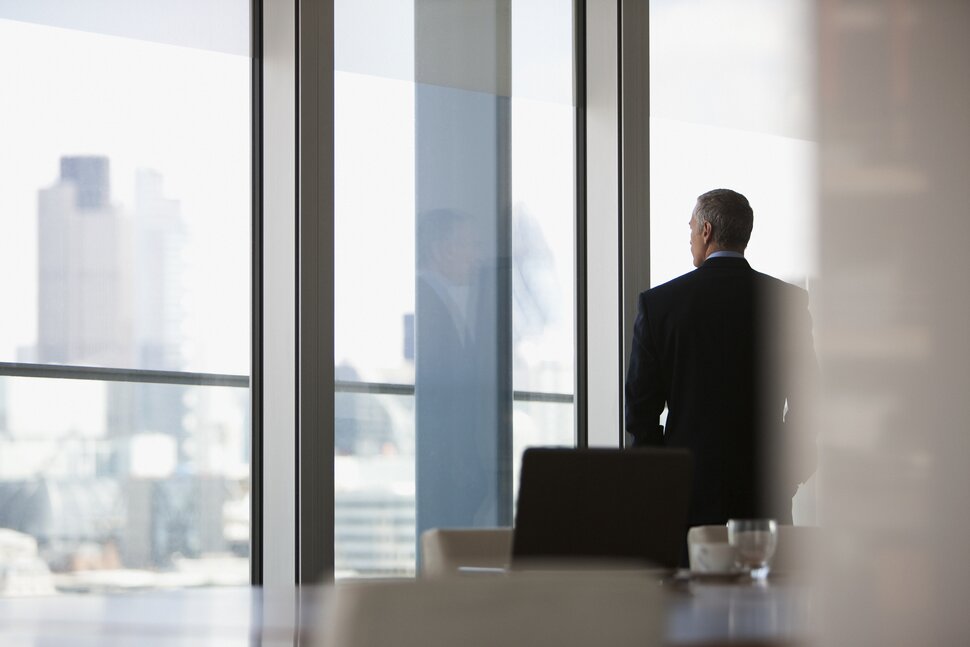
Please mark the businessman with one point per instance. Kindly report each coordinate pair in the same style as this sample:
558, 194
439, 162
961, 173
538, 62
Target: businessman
728, 350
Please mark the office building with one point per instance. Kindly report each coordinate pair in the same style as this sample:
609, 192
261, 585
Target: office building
84, 291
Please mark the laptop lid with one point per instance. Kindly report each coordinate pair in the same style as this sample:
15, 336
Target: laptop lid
596, 504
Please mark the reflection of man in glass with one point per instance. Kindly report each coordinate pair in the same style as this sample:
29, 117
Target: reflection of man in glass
447, 258
729, 351
454, 468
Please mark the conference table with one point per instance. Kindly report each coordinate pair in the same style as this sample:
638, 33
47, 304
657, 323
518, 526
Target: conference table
697, 613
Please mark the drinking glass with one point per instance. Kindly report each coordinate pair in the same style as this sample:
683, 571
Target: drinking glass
754, 541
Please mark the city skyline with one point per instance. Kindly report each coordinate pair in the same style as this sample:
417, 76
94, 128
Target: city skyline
152, 477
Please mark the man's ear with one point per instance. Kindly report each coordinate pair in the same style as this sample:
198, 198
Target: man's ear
706, 231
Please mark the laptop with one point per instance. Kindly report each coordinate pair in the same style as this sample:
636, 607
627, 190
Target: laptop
597, 505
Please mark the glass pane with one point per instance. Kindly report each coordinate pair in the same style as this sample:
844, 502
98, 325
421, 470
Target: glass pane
454, 263
374, 479
122, 486
126, 192
125, 245
539, 424
732, 108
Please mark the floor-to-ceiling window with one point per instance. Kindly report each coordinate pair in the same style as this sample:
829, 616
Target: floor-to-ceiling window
125, 216
454, 245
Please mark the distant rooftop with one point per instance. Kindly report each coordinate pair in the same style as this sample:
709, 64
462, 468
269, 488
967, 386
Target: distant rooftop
90, 173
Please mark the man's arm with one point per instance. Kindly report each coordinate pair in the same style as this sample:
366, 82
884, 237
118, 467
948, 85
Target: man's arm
645, 397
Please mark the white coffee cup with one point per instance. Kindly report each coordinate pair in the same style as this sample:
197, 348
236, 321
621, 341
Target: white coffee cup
712, 558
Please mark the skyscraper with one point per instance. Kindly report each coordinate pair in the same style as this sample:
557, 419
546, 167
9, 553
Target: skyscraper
110, 289
158, 243
84, 291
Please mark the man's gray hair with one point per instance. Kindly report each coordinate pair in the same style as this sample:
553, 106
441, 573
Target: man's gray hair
730, 216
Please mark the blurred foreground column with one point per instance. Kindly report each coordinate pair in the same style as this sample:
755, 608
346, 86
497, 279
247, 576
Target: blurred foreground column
893, 317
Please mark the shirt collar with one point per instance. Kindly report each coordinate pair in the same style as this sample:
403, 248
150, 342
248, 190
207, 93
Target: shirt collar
725, 254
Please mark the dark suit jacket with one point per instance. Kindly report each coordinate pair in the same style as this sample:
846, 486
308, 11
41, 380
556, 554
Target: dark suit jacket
451, 478
724, 347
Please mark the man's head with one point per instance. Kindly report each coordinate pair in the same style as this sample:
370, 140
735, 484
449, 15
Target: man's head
721, 221
447, 244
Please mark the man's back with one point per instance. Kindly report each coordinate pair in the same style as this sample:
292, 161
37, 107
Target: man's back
723, 347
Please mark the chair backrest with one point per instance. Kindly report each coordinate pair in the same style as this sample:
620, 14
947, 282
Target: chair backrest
615, 504
797, 545
445, 550
522, 609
